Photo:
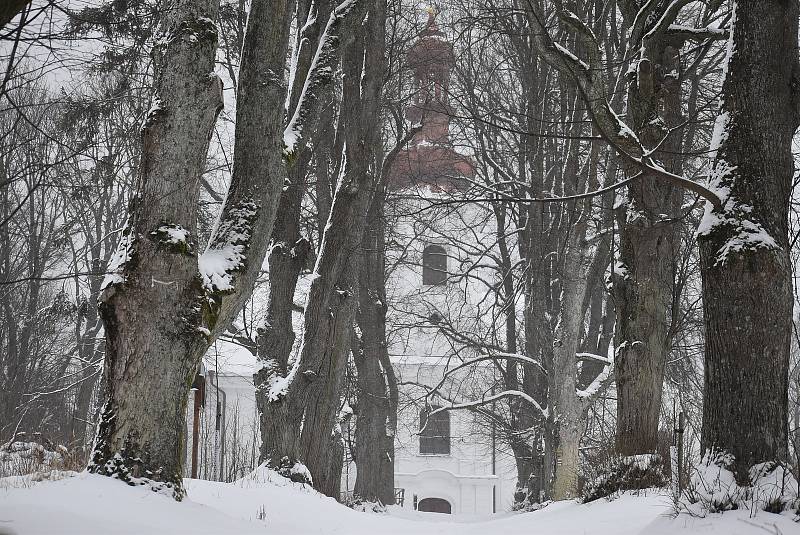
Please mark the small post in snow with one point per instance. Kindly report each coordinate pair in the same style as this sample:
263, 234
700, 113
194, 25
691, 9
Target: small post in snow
676, 452
679, 432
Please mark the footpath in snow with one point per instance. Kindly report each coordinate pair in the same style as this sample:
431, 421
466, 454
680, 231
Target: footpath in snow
265, 503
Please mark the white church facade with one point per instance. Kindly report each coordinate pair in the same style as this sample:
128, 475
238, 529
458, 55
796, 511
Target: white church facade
446, 461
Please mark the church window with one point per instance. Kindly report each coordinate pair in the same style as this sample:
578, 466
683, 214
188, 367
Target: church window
434, 437
434, 265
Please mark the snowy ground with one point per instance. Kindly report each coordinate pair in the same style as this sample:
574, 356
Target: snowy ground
266, 504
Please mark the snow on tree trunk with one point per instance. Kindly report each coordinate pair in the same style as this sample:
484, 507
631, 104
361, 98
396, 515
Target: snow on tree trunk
288, 251
153, 306
302, 406
162, 305
643, 274
563, 400
745, 266
236, 250
288, 255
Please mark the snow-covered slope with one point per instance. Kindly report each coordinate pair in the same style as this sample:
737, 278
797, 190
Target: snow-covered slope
267, 504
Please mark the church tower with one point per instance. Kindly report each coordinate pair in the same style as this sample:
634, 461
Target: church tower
436, 287
429, 159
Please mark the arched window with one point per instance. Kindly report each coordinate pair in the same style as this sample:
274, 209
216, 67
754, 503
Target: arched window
434, 265
434, 436
434, 505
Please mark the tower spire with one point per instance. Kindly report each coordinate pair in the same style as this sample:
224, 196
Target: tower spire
431, 59
430, 158
431, 18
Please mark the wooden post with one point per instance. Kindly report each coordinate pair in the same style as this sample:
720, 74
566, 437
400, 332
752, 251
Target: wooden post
199, 389
679, 438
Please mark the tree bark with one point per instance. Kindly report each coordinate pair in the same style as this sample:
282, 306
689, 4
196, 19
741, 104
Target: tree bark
563, 399
745, 266
289, 252
643, 274
162, 308
376, 412
153, 313
310, 393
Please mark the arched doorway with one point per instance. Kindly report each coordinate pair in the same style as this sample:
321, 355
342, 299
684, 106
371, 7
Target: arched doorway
434, 505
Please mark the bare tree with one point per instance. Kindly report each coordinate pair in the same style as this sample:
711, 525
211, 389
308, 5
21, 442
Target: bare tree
309, 392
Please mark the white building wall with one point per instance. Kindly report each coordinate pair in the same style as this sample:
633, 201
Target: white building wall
229, 441
421, 354
471, 477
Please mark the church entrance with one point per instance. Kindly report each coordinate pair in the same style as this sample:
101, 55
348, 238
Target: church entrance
434, 505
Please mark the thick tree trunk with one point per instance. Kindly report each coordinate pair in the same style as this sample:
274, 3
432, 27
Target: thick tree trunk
154, 312
377, 385
301, 411
288, 255
529, 477
747, 285
643, 274
161, 309
332, 477
289, 252
563, 400
259, 166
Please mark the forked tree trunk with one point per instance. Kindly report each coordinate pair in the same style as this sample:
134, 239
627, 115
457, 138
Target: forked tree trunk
153, 316
161, 309
289, 252
300, 415
643, 275
745, 265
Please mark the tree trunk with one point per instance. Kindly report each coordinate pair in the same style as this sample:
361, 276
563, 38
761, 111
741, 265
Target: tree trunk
154, 312
377, 389
565, 410
745, 266
161, 308
529, 478
332, 477
289, 252
287, 257
643, 274
302, 409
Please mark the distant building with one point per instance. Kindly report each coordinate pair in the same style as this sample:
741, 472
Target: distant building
430, 160
448, 461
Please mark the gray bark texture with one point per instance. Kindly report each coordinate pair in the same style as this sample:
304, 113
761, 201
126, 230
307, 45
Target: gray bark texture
289, 252
162, 313
745, 266
376, 381
563, 400
643, 278
152, 317
297, 422
565, 420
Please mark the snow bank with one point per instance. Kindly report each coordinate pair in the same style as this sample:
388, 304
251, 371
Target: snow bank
89, 504
265, 503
